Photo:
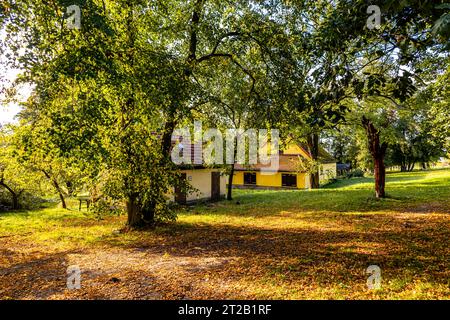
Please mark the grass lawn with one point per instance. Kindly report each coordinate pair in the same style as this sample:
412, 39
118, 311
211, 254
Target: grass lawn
264, 244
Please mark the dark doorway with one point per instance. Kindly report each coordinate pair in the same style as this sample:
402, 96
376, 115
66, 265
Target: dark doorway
180, 195
249, 178
289, 180
215, 186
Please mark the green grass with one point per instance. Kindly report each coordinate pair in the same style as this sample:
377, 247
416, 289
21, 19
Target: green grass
288, 244
404, 190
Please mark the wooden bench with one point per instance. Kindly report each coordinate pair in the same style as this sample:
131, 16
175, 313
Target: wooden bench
86, 199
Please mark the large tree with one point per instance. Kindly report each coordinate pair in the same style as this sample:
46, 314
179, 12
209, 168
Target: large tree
111, 93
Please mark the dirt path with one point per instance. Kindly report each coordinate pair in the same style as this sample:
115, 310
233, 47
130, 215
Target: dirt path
106, 273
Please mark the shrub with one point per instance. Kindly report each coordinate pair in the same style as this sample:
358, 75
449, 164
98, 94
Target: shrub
356, 173
27, 200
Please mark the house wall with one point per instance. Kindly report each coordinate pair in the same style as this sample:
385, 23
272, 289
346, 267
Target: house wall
238, 178
201, 179
302, 181
273, 180
270, 180
307, 181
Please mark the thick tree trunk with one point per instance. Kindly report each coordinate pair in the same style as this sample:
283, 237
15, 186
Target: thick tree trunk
380, 176
140, 214
15, 202
314, 180
378, 151
134, 211
313, 146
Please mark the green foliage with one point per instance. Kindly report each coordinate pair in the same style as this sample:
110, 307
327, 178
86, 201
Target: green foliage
106, 206
21, 186
356, 173
307, 165
439, 108
107, 97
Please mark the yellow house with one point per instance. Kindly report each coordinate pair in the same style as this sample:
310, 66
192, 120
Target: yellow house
287, 175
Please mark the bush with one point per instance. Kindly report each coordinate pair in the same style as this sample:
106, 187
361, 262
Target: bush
356, 173
106, 206
27, 200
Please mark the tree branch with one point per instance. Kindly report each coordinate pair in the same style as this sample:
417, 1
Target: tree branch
214, 50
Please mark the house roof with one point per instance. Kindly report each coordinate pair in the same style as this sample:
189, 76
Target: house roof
324, 156
343, 166
196, 153
287, 163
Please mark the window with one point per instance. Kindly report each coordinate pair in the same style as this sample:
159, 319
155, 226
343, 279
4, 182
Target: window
289, 180
249, 178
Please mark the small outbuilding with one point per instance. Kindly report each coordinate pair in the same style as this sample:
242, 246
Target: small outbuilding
209, 183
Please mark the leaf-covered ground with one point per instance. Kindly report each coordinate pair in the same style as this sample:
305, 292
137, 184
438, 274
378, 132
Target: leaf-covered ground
264, 244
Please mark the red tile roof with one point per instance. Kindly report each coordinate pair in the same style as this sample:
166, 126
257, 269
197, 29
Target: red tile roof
287, 163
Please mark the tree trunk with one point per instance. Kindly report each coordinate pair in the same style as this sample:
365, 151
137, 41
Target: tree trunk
63, 201
57, 187
230, 184
148, 213
230, 178
140, 214
14, 195
403, 165
134, 211
15, 199
378, 151
313, 146
380, 175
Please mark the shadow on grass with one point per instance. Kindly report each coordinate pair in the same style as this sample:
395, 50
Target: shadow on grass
322, 256
253, 257
34, 277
